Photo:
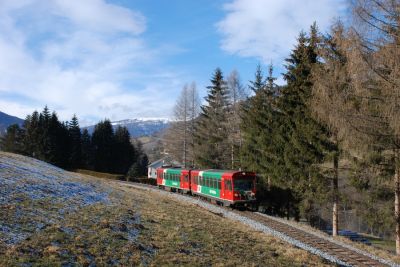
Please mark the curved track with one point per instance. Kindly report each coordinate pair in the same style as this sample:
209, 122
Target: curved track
334, 249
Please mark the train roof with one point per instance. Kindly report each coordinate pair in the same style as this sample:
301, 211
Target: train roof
210, 172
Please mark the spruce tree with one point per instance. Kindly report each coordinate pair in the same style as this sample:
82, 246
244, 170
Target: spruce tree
305, 138
251, 130
87, 150
123, 150
75, 158
211, 140
103, 142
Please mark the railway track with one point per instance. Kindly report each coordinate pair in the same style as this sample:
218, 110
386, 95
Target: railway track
344, 254
332, 250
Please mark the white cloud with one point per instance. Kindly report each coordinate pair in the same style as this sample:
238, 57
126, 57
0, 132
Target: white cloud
84, 57
268, 29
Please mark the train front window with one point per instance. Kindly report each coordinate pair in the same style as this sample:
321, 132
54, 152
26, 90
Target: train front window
242, 185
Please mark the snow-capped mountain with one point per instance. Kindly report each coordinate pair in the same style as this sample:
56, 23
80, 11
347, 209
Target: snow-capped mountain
139, 127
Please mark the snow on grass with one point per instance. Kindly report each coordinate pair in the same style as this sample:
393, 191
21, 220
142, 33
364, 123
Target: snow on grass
38, 180
30, 188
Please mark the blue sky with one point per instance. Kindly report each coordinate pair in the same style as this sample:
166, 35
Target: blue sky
122, 59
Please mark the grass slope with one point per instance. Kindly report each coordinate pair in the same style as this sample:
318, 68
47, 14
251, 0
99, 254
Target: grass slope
49, 217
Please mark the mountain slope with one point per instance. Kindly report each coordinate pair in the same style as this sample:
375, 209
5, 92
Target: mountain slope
50, 217
139, 127
7, 120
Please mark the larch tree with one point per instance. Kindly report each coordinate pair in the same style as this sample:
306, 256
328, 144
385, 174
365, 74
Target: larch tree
330, 95
178, 139
237, 95
374, 64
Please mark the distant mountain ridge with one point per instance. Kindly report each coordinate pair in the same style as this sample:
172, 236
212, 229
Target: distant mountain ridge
7, 120
140, 126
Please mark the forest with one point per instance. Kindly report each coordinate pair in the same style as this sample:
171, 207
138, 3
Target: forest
65, 145
326, 144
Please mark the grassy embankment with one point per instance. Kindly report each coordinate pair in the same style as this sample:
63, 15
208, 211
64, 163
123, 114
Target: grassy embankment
51, 218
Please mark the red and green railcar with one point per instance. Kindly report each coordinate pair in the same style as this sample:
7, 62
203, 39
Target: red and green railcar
176, 179
228, 188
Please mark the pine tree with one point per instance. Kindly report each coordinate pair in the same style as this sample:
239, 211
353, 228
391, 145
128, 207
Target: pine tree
211, 140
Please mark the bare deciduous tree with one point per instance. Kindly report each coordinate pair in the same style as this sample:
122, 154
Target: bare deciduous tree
178, 139
237, 94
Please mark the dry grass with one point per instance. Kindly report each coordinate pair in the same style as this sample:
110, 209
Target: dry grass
185, 234
101, 174
134, 227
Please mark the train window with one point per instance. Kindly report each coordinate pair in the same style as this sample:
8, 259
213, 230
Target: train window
219, 185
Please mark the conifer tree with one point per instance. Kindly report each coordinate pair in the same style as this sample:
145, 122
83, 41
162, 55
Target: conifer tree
330, 90
306, 139
75, 158
237, 95
103, 142
372, 117
123, 150
211, 140
87, 150
251, 130
12, 141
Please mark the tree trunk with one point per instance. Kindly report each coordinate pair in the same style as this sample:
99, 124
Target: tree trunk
335, 219
397, 208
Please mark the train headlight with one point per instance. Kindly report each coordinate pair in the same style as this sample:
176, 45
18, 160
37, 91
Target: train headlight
236, 195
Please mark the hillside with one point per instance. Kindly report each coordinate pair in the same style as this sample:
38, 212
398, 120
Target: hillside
138, 127
7, 120
52, 217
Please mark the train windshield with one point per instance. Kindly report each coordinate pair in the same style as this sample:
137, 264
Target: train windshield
243, 185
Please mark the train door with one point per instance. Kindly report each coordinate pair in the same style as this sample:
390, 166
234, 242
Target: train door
227, 188
185, 179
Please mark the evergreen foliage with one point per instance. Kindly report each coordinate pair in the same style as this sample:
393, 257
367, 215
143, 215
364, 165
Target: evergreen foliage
211, 139
76, 142
44, 137
306, 139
